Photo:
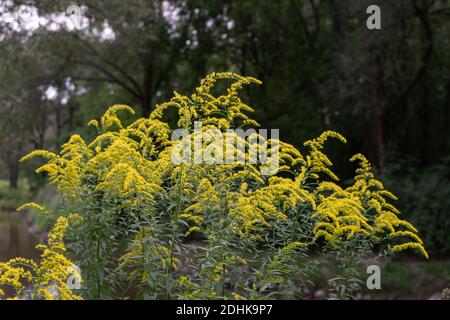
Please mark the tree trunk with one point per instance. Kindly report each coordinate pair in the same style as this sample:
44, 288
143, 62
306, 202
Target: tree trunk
14, 175
375, 112
146, 107
146, 103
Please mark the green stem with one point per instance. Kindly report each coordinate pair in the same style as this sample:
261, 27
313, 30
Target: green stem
174, 225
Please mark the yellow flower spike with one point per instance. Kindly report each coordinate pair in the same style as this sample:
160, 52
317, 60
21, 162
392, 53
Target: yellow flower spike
110, 117
93, 123
410, 245
33, 205
39, 153
191, 230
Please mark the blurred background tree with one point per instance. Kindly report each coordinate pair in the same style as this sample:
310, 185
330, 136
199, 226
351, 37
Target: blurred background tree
387, 91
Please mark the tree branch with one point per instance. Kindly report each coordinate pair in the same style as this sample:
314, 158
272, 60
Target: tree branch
112, 77
422, 15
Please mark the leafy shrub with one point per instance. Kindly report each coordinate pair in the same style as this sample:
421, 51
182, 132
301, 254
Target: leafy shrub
214, 230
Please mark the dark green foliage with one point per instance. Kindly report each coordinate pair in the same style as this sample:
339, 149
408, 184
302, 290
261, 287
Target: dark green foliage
425, 199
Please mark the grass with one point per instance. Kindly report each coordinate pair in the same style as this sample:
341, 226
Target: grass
413, 279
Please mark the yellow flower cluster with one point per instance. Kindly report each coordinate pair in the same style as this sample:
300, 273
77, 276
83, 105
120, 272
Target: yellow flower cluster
49, 279
362, 209
220, 112
373, 196
132, 165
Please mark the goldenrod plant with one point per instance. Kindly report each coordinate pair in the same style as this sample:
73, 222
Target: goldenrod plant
213, 230
46, 280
